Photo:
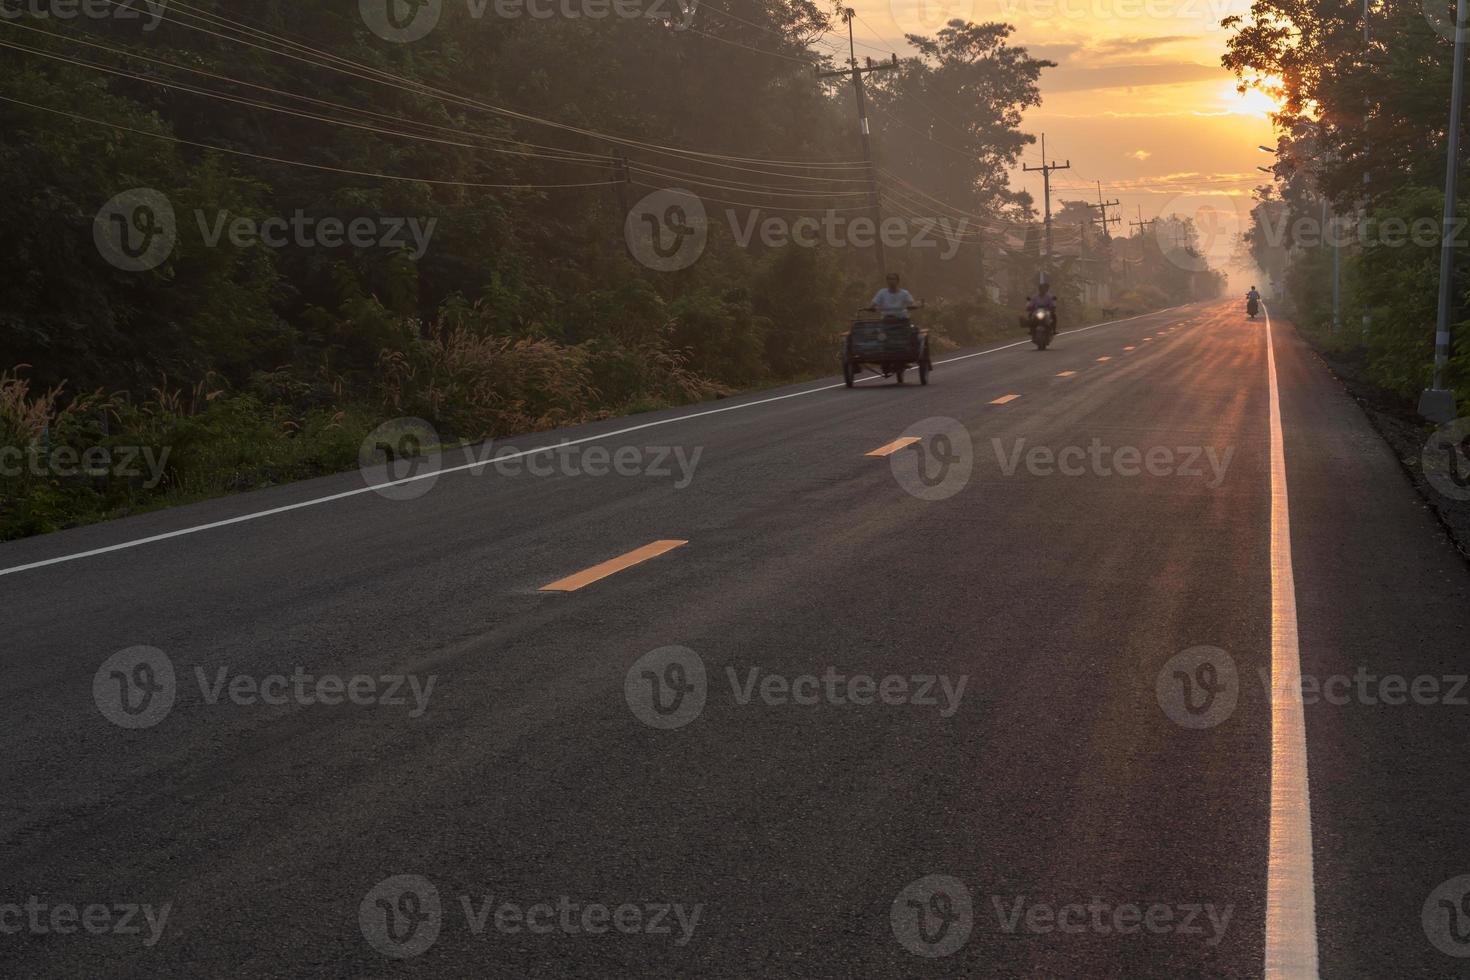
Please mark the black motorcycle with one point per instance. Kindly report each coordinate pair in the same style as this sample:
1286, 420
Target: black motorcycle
1042, 322
1252, 307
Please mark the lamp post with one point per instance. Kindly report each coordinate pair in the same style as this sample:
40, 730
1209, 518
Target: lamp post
1437, 403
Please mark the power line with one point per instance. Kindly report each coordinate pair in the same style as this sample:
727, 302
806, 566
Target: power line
300, 163
420, 88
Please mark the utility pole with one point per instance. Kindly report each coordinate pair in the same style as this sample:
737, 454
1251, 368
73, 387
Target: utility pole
1045, 170
1140, 224
862, 109
1438, 403
1363, 212
1102, 206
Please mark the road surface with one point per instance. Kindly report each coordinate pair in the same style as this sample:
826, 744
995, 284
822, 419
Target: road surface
995, 702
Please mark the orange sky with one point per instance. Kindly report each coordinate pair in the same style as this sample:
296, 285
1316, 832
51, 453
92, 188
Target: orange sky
1138, 101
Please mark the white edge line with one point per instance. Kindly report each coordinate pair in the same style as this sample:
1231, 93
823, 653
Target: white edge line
481, 464
1291, 902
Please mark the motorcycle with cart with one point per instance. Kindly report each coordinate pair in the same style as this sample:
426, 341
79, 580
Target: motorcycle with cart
887, 345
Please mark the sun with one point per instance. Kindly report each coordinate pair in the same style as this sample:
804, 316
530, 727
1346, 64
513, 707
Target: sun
1255, 101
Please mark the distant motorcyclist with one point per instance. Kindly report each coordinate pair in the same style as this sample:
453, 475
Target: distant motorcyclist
1045, 302
1252, 302
1044, 299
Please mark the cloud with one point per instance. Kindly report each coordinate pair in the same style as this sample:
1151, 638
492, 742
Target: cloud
1084, 51
1126, 76
1140, 155
1139, 45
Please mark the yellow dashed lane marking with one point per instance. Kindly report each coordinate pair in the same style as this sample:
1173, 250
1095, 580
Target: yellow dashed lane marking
1066, 374
574, 582
894, 446
1005, 398
1104, 358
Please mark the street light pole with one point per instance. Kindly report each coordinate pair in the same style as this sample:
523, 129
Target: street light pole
1438, 403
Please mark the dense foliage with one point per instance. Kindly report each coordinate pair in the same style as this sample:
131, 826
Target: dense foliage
515, 146
1360, 167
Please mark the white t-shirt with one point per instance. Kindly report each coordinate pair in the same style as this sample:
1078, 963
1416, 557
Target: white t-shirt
891, 302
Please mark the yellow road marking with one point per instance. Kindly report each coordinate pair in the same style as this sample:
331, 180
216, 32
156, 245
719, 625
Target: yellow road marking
1104, 358
1291, 899
574, 582
894, 446
1128, 348
1066, 374
1005, 398
1147, 339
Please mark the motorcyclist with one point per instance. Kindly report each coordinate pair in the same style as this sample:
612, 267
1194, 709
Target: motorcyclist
892, 301
1252, 302
1044, 299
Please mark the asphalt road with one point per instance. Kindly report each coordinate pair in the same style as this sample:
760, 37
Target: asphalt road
1048, 688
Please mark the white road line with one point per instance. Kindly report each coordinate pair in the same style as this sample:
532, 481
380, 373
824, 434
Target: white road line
1291, 901
256, 515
